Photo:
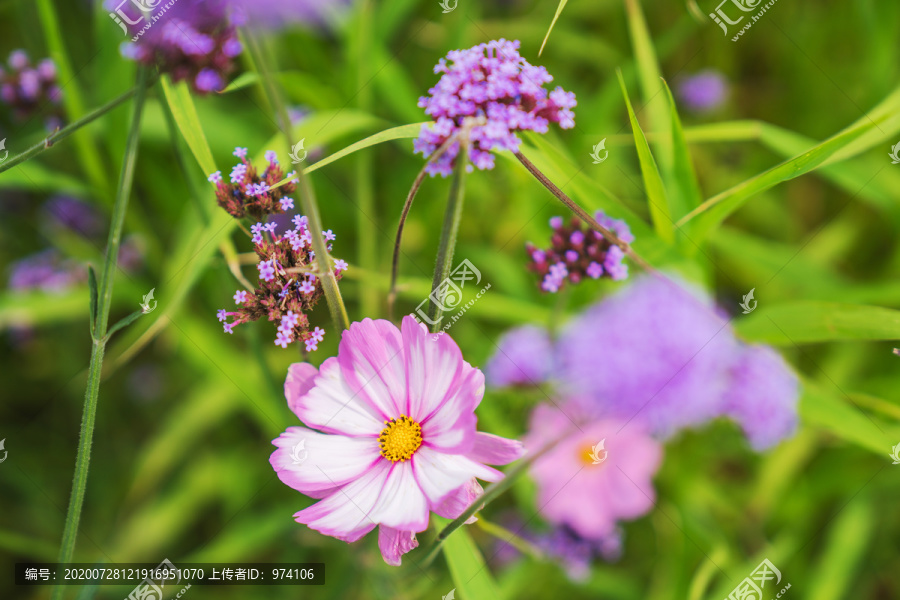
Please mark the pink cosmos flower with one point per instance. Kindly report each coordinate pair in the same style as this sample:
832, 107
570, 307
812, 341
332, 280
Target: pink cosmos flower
587, 497
391, 435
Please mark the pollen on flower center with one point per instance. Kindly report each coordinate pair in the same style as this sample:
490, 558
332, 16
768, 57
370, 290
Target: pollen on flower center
400, 439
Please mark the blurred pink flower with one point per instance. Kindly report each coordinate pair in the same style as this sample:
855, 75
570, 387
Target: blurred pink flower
664, 355
591, 498
395, 440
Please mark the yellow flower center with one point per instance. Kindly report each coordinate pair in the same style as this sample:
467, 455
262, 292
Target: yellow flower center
587, 455
400, 439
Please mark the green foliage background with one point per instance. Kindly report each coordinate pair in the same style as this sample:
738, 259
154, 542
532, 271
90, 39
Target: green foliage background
180, 455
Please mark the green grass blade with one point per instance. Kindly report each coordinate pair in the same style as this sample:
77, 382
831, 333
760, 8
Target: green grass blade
394, 133
656, 192
838, 416
805, 322
73, 101
468, 570
559, 9
848, 543
181, 104
650, 76
711, 213
684, 178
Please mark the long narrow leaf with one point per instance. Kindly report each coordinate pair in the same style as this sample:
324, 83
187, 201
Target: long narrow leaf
559, 9
660, 211
806, 322
650, 76
179, 98
684, 179
395, 133
715, 210
468, 570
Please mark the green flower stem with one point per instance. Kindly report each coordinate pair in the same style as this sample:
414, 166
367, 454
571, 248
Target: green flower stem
452, 217
307, 196
582, 214
86, 150
367, 235
67, 130
99, 329
395, 263
493, 491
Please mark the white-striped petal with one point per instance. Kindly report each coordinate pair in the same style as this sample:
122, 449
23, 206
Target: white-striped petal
332, 407
310, 461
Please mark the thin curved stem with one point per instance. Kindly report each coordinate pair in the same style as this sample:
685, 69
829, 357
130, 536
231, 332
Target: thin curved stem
395, 264
99, 330
582, 214
493, 491
452, 218
69, 129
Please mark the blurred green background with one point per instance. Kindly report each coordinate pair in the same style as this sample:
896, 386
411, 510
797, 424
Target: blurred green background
180, 455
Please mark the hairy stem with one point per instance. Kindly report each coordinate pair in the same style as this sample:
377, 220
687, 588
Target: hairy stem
452, 217
99, 328
67, 130
493, 491
395, 264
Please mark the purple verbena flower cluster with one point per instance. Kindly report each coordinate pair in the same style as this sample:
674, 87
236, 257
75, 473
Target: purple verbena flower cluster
493, 83
25, 88
192, 41
289, 285
562, 544
74, 214
576, 251
276, 14
50, 271
47, 271
247, 193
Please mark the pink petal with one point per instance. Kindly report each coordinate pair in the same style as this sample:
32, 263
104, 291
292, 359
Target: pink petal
345, 513
394, 543
320, 461
452, 427
495, 450
371, 358
331, 406
401, 504
458, 501
433, 368
440, 475
299, 381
